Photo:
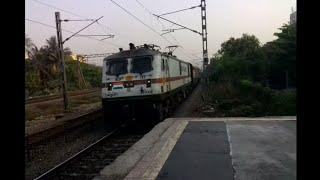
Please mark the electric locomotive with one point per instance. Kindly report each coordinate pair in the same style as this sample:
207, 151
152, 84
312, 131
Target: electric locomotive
144, 83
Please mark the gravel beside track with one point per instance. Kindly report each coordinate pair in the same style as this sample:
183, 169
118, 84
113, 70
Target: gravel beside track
45, 155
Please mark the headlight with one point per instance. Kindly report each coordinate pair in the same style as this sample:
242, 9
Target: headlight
149, 83
109, 86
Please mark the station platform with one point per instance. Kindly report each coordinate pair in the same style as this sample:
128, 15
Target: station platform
211, 148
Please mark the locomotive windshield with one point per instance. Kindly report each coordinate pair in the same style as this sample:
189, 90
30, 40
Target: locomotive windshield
141, 65
117, 67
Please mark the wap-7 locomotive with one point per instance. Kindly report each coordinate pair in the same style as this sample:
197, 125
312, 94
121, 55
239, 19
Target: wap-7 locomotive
144, 83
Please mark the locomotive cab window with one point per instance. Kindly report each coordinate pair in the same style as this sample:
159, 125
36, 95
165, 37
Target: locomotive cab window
116, 67
141, 64
180, 68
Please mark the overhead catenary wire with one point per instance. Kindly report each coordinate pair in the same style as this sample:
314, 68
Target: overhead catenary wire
163, 26
68, 31
180, 10
67, 20
66, 11
135, 17
81, 29
178, 24
102, 26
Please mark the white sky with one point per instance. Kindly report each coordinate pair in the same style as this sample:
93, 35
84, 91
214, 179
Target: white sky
225, 19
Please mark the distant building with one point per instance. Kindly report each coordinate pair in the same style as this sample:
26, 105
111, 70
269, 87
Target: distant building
77, 57
74, 57
26, 55
293, 17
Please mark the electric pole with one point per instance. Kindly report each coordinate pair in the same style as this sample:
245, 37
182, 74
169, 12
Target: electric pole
203, 27
62, 63
61, 53
204, 34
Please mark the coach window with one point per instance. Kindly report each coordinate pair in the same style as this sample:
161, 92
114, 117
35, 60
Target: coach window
180, 68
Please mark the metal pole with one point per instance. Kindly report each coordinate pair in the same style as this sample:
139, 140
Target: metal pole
204, 33
62, 63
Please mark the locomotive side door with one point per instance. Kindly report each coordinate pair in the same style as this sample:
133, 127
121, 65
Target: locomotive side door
167, 75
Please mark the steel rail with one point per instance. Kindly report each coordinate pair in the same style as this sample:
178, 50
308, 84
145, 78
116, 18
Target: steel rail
77, 154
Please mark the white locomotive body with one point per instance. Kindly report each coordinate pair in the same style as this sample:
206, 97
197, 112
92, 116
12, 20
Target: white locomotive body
143, 79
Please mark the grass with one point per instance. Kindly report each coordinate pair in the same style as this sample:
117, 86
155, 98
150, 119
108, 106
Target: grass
54, 107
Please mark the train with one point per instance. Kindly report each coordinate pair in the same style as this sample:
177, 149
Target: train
145, 83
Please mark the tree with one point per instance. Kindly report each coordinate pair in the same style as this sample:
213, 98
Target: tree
242, 46
242, 58
28, 43
281, 55
51, 49
45, 62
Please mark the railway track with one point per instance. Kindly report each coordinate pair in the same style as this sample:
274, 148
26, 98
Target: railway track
78, 121
87, 163
57, 96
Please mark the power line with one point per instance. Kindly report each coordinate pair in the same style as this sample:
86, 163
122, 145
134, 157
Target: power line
67, 20
81, 29
143, 6
49, 5
142, 21
115, 45
180, 10
74, 14
177, 24
43, 24
152, 14
163, 26
47, 25
135, 17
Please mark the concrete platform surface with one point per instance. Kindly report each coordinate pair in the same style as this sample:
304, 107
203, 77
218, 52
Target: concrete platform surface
211, 148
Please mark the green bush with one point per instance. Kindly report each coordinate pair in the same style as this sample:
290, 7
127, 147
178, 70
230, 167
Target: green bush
245, 87
32, 82
283, 103
91, 73
242, 111
245, 98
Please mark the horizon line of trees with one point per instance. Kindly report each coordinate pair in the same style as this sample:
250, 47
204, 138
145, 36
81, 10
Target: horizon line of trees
271, 64
250, 79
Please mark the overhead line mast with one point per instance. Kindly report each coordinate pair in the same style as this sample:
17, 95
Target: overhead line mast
203, 27
204, 34
61, 54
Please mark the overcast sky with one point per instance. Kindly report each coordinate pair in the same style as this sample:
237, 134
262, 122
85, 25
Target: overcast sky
225, 19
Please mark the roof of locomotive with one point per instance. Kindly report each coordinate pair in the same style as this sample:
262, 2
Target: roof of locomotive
141, 51
133, 53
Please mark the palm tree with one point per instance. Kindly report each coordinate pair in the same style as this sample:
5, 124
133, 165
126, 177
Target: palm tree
45, 60
38, 58
52, 53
